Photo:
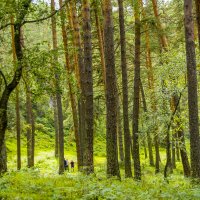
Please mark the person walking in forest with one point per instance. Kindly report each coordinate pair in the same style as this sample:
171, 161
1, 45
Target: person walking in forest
66, 164
72, 165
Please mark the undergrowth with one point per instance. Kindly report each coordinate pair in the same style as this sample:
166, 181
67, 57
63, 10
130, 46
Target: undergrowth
43, 181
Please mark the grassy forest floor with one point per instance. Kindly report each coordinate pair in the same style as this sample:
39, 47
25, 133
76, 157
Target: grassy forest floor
43, 182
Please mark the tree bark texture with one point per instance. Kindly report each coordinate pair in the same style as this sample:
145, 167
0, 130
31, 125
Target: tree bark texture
136, 153
3, 159
70, 86
127, 137
30, 129
88, 84
111, 93
55, 114
119, 130
58, 94
192, 90
81, 70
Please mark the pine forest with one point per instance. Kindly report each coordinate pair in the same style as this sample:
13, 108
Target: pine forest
99, 99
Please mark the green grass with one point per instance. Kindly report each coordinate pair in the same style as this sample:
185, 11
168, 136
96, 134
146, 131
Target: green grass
43, 182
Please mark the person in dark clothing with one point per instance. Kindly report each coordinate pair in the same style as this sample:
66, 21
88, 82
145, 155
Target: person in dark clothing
72, 165
66, 164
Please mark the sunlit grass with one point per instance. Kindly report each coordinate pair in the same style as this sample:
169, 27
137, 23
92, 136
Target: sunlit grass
43, 181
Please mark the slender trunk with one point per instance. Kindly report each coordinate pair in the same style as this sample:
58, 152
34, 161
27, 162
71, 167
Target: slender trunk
119, 131
152, 89
70, 86
149, 140
168, 166
111, 93
136, 153
58, 95
30, 118
164, 45
88, 87
17, 106
192, 90
162, 36
173, 151
18, 127
30, 130
181, 138
81, 69
177, 147
100, 42
127, 137
55, 114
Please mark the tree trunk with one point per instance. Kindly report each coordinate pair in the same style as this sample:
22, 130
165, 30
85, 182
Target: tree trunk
72, 95
88, 86
18, 127
55, 114
127, 161
181, 138
100, 40
58, 95
173, 151
17, 75
111, 93
17, 106
30, 118
177, 147
119, 131
3, 159
168, 166
30, 130
149, 140
136, 153
162, 36
81, 69
152, 89
192, 90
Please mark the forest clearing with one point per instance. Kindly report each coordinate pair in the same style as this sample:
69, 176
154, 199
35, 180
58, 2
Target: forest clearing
99, 99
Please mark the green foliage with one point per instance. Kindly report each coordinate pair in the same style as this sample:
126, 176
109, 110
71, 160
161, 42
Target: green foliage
33, 184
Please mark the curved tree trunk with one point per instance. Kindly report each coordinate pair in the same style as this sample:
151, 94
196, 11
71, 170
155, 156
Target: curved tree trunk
17, 75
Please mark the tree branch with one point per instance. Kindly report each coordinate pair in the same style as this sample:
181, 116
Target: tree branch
4, 78
37, 20
47, 17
